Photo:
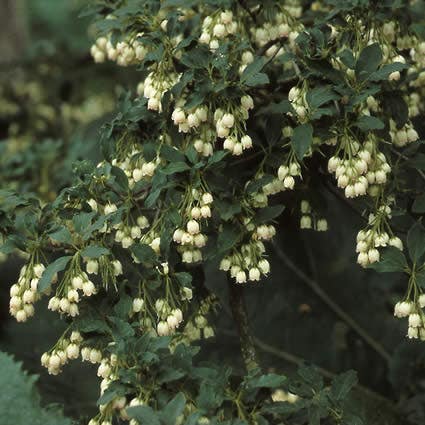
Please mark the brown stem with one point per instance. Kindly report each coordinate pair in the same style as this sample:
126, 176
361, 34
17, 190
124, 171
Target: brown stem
238, 308
263, 49
248, 10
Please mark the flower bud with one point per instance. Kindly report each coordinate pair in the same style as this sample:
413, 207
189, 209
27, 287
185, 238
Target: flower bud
138, 305
163, 328
92, 267
415, 320
193, 227
254, 274
240, 277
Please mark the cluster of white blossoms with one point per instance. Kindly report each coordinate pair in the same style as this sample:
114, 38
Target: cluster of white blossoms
362, 170
275, 186
169, 319
65, 350
395, 76
124, 53
127, 235
246, 58
231, 126
297, 97
68, 303
416, 319
417, 53
155, 86
283, 26
264, 232
23, 294
198, 327
248, 262
309, 220
415, 104
217, 27
107, 371
135, 167
286, 173
368, 241
190, 238
403, 136
281, 395
188, 120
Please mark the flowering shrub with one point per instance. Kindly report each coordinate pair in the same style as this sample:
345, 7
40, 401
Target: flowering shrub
243, 109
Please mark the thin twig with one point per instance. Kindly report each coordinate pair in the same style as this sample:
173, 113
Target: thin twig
400, 155
291, 358
343, 199
265, 47
299, 361
237, 305
332, 305
247, 9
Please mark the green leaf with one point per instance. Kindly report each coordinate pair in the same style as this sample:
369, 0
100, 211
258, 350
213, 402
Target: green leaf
420, 278
121, 179
227, 209
283, 107
367, 123
252, 75
216, 157
82, 221
172, 154
320, 95
210, 396
342, 385
351, 419
169, 375
270, 380
113, 391
269, 213
384, 72
94, 251
369, 60
314, 415
51, 269
419, 204
173, 410
301, 140
175, 167
185, 279
416, 241
392, 260
20, 402
257, 80
120, 328
227, 239
62, 235
255, 185
143, 414
193, 419
418, 161
396, 107
197, 58
312, 377
144, 253
347, 58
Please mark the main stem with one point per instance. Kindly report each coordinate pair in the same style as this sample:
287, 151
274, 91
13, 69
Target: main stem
238, 308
